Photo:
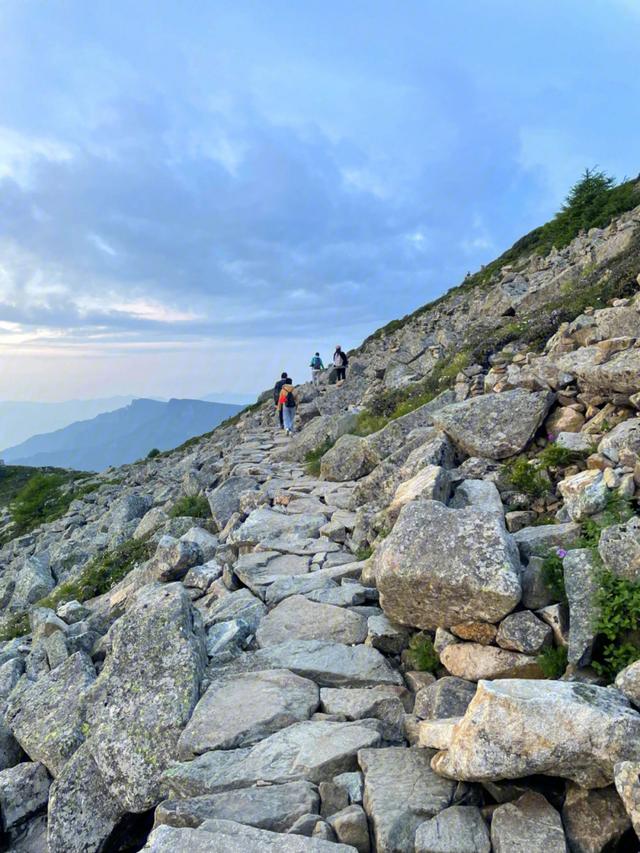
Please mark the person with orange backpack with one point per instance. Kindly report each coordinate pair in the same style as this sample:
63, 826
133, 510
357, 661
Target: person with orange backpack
287, 404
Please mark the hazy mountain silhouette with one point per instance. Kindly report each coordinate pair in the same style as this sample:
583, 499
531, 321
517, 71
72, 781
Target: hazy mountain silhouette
20, 419
121, 436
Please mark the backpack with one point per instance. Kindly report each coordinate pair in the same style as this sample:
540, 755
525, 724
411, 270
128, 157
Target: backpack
290, 402
316, 361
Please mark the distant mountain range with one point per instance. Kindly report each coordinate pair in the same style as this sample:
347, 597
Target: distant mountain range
19, 420
120, 436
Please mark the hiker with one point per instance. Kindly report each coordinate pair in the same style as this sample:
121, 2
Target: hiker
276, 394
316, 367
287, 403
340, 362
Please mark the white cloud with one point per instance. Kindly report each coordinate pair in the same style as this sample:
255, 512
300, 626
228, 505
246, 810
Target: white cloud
18, 152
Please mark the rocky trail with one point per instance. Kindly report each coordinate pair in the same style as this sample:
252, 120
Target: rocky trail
429, 645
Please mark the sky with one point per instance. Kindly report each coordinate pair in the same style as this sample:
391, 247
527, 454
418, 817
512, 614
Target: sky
195, 196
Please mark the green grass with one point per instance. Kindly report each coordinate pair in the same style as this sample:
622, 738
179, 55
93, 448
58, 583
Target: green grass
313, 457
525, 476
421, 654
100, 574
46, 496
363, 553
553, 576
195, 506
368, 423
553, 661
14, 625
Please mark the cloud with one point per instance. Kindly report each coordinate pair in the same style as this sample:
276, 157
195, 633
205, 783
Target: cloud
218, 173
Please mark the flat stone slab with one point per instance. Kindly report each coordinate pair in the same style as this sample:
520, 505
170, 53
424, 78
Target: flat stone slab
401, 792
241, 604
260, 569
328, 664
264, 524
223, 836
242, 709
297, 618
357, 703
327, 578
273, 807
315, 750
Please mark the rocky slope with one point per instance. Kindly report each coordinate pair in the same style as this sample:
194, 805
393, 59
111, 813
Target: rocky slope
411, 650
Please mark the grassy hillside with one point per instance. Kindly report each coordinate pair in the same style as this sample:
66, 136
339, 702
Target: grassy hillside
37, 495
592, 202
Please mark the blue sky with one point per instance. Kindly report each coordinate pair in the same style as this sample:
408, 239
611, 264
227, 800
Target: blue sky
194, 196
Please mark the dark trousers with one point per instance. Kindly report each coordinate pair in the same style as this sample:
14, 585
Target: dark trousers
280, 417
341, 374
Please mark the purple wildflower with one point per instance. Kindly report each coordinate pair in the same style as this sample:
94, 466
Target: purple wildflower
561, 553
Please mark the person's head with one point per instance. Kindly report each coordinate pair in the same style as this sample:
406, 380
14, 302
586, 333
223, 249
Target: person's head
289, 380
338, 347
318, 354
284, 375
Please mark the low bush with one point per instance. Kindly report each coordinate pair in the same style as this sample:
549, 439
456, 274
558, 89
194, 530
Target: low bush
14, 625
153, 453
421, 654
363, 553
618, 606
553, 576
368, 423
526, 476
553, 661
193, 506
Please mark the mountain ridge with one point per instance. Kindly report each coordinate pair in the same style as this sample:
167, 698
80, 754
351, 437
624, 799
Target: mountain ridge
120, 436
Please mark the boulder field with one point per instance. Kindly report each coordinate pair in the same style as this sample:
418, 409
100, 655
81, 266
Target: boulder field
400, 638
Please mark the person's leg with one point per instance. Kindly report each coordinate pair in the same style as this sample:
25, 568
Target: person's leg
280, 418
288, 417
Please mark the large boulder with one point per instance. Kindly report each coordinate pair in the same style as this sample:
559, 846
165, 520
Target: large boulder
82, 810
24, 791
495, 425
442, 566
529, 823
516, 728
350, 458
458, 829
242, 709
593, 819
47, 716
623, 437
584, 494
473, 661
224, 501
619, 374
619, 548
580, 569
146, 693
401, 792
